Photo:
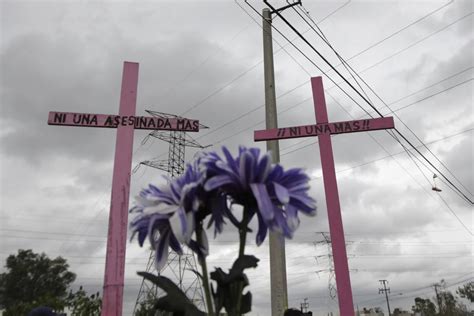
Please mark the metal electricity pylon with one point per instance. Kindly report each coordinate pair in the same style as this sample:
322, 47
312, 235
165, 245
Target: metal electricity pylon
326, 242
178, 267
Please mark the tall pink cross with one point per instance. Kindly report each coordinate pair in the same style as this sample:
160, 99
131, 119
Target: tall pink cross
125, 123
323, 129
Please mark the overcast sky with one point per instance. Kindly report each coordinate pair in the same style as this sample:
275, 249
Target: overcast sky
204, 59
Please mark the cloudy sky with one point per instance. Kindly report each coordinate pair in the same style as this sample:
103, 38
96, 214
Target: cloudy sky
204, 59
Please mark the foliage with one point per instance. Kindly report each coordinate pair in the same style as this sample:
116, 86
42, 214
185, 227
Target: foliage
449, 306
424, 306
174, 214
146, 306
174, 300
82, 304
33, 280
231, 285
467, 291
397, 311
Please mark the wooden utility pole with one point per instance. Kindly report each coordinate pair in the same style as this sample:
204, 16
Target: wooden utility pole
386, 291
279, 295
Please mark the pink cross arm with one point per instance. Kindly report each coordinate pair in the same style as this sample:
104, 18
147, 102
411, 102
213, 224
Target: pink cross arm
114, 121
324, 128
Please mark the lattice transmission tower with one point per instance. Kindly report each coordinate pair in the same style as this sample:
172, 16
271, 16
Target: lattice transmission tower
326, 242
178, 268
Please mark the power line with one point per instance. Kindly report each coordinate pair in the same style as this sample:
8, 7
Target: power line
288, 91
399, 31
359, 93
349, 69
407, 96
245, 72
398, 109
462, 195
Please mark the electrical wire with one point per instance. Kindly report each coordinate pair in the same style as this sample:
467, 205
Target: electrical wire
351, 70
358, 92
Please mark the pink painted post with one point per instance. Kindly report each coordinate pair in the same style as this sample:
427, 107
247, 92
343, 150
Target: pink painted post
323, 129
341, 267
118, 219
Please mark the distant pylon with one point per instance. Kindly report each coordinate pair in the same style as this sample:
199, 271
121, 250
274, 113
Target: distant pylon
178, 268
326, 240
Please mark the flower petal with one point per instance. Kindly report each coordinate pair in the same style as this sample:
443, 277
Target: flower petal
189, 226
292, 217
279, 224
263, 169
159, 209
161, 255
282, 193
175, 245
264, 203
178, 223
262, 230
304, 203
245, 168
216, 182
230, 159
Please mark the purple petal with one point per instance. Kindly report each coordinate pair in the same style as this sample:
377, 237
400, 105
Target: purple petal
178, 223
275, 173
292, 217
280, 224
263, 169
262, 230
175, 245
230, 159
282, 193
162, 251
216, 182
245, 171
263, 200
189, 226
305, 204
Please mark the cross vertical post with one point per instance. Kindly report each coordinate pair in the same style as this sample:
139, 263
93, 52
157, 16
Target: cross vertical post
341, 267
324, 129
118, 218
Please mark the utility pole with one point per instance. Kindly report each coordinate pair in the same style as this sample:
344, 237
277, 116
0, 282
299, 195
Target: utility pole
438, 298
386, 291
278, 284
279, 294
304, 305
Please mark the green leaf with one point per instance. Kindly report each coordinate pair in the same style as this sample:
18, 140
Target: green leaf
175, 300
230, 286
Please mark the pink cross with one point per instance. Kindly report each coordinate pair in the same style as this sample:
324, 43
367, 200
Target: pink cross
125, 123
323, 129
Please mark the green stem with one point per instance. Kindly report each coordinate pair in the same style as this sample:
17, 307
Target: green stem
243, 233
205, 279
243, 236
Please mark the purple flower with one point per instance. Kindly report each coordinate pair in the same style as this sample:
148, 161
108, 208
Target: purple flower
169, 212
267, 190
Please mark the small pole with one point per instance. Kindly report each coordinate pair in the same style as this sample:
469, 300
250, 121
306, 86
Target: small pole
279, 295
386, 291
438, 298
